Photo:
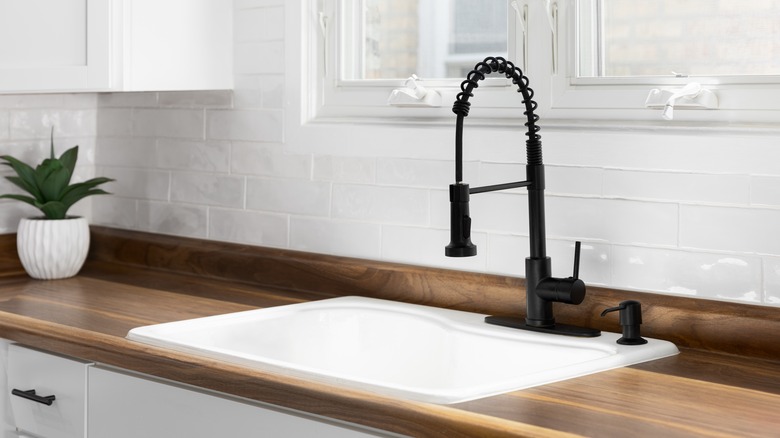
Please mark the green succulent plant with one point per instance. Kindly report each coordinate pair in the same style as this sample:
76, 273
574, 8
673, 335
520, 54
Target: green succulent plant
49, 183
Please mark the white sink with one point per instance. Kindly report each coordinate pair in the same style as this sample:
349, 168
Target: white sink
417, 352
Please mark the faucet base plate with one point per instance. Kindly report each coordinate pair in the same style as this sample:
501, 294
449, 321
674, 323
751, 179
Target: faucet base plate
557, 329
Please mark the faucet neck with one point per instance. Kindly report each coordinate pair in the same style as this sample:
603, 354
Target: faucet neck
462, 105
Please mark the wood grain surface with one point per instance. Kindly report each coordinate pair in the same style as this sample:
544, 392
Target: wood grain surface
694, 394
9, 260
696, 323
725, 382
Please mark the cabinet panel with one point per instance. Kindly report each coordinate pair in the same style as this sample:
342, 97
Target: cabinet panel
128, 406
54, 45
47, 375
115, 45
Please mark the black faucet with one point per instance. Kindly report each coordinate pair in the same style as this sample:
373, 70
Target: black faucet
542, 289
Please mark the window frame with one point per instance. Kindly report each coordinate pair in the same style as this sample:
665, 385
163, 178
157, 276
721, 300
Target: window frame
340, 99
742, 99
550, 61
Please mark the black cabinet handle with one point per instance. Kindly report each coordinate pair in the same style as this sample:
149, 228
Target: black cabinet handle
30, 395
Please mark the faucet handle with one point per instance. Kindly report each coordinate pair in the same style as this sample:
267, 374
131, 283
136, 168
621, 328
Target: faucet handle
576, 273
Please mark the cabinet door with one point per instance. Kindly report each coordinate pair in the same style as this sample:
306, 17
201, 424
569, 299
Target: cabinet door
54, 45
128, 406
32, 377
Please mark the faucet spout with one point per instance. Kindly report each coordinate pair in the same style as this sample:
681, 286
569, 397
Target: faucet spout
542, 289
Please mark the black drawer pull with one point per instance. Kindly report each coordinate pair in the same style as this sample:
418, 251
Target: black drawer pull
30, 395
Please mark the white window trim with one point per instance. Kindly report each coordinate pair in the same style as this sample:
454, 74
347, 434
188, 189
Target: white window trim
341, 99
563, 98
742, 99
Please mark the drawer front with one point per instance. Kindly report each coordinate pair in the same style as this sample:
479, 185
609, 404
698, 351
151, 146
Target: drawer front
33, 378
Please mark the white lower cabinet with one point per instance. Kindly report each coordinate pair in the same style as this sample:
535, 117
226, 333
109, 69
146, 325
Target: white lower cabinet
127, 406
48, 393
50, 396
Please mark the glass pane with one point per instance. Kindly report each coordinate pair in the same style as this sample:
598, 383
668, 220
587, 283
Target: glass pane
430, 38
690, 37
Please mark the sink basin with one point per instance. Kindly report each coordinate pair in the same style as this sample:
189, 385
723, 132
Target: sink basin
411, 351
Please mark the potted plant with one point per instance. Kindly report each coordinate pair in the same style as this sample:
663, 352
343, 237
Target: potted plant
54, 245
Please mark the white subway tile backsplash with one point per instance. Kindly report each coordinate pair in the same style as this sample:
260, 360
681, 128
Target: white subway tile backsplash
137, 183
350, 239
195, 99
268, 159
4, 125
262, 57
247, 125
695, 151
249, 227
138, 152
391, 205
749, 230
677, 186
288, 196
558, 179
207, 156
175, 219
425, 246
765, 190
12, 211
240, 5
259, 91
31, 101
587, 181
772, 280
207, 189
164, 122
612, 220
113, 122
127, 100
37, 123
705, 275
502, 212
508, 253
115, 211
259, 24
345, 169
416, 173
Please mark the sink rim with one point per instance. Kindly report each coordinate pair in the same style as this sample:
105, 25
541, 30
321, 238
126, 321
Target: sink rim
467, 322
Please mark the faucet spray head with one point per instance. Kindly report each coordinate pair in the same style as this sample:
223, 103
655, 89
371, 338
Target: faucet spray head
460, 223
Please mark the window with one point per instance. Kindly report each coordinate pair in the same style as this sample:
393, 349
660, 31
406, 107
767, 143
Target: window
429, 38
586, 59
680, 37
373, 46
616, 52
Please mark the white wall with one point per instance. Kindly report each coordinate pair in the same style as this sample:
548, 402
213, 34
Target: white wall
25, 128
689, 212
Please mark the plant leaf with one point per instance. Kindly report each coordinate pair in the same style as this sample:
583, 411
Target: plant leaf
26, 175
22, 198
24, 185
56, 183
52, 142
43, 171
54, 210
77, 195
69, 158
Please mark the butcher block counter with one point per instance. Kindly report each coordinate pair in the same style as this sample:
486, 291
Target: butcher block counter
724, 382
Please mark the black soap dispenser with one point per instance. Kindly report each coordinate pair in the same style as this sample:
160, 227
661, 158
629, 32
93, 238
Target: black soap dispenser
630, 320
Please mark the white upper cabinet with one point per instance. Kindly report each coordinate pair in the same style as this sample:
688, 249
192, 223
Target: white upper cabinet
115, 45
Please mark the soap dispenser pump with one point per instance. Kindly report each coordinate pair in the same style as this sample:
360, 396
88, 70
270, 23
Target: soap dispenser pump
630, 320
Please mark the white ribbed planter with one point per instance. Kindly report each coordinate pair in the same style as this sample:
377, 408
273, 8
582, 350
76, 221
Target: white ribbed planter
51, 249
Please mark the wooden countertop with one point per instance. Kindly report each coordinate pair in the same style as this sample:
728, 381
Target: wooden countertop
697, 393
